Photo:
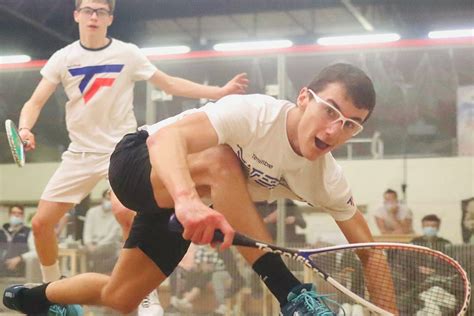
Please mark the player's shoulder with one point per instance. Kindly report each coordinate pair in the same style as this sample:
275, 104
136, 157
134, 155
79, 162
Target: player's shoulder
254, 101
125, 45
66, 50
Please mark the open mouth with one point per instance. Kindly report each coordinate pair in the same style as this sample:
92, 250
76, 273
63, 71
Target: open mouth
320, 144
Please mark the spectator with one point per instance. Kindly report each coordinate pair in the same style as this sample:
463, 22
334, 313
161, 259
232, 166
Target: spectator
16, 243
102, 236
393, 217
293, 219
208, 267
430, 224
468, 220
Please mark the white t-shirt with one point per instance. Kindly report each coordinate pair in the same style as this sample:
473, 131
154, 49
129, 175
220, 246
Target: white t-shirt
255, 127
403, 213
99, 85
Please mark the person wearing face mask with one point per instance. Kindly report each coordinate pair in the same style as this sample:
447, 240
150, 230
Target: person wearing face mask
430, 225
101, 236
16, 243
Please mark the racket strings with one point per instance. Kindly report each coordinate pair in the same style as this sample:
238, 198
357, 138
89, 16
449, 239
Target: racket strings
411, 280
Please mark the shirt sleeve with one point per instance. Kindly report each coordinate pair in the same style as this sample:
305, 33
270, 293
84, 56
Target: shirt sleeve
235, 118
143, 69
341, 204
52, 69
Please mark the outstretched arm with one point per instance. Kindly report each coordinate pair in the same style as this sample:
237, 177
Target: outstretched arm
185, 88
169, 149
376, 269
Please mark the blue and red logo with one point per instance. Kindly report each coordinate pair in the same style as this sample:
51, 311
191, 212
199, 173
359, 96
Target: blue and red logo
89, 72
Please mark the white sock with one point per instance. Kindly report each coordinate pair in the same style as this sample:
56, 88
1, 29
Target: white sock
50, 273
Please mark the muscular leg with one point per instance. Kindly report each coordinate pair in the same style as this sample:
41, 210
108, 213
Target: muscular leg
48, 215
134, 276
123, 215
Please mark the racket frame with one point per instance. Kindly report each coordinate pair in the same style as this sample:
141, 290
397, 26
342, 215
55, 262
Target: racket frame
19, 158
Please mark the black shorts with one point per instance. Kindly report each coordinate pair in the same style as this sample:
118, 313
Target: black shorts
129, 176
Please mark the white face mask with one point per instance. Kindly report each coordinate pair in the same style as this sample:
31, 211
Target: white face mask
430, 231
15, 221
106, 205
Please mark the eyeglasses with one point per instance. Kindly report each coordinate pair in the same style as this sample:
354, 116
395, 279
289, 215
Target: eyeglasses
333, 115
87, 11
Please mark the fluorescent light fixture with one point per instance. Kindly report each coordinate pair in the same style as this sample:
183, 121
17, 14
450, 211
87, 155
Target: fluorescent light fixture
451, 33
254, 45
14, 59
358, 39
166, 50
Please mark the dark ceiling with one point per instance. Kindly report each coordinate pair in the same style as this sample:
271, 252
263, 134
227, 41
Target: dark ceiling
39, 27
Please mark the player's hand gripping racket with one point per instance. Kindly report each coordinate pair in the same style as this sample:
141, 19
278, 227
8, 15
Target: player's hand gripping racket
15, 142
385, 278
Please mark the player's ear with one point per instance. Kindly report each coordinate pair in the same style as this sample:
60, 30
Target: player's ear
76, 16
111, 19
303, 98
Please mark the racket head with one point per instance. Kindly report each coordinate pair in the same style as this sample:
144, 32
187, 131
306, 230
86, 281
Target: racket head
424, 281
15, 142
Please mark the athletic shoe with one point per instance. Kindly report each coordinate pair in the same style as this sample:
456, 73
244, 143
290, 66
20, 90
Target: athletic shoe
65, 310
150, 306
304, 301
12, 300
182, 305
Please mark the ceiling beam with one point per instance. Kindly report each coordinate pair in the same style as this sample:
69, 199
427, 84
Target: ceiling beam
358, 15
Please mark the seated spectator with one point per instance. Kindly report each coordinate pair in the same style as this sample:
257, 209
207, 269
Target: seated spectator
102, 236
16, 243
293, 219
430, 224
393, 217
207, 268
468, 220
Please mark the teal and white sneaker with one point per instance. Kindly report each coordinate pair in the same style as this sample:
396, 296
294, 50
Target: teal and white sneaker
12, 300
303, 300
65, 310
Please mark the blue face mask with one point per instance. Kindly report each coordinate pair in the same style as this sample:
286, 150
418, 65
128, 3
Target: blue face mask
15, 221
430, 231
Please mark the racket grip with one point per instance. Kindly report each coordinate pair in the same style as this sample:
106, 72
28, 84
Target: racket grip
175, 226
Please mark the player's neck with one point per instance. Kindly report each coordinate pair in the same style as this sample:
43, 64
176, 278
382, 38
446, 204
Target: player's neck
292, 120
93, 41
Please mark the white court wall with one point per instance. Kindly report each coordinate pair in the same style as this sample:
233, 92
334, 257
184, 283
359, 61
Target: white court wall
435, 185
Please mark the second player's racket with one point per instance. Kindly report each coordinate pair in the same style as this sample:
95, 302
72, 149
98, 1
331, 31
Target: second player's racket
15, 142
385, 278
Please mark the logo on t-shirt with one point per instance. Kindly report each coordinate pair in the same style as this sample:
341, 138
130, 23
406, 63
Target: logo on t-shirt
350, 201
93, 72
256, 174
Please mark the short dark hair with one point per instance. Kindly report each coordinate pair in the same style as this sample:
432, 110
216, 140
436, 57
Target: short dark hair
358, 85
390, 191
21, 207
110, 3
431, 218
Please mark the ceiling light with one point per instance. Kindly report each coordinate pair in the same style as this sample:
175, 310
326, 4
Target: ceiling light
451, 33
14, 59
166, 50
254, 45
358, 39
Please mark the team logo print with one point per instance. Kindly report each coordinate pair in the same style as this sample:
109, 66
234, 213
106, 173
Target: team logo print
89, 73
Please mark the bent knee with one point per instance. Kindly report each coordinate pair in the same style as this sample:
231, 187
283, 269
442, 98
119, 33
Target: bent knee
119, 303
40, 224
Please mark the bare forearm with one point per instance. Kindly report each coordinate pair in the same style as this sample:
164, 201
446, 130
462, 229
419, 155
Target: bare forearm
29, 115
185, 88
